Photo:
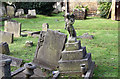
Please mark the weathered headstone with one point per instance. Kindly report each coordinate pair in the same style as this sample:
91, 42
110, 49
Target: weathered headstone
4, 48
45, 27
15, 61
10, 11
5, 72
32, 12
6, 37
19, 12
13, 27
50, 44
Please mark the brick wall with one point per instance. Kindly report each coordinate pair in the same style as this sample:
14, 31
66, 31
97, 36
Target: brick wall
91, 5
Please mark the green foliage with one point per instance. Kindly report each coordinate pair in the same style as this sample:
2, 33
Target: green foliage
79, 7
45, 8
104, 9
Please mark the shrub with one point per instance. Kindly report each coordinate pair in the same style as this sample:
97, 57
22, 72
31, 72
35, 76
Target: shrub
45, 8
104, 8
79, 7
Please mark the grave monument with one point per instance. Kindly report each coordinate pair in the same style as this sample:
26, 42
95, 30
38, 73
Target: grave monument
75, 60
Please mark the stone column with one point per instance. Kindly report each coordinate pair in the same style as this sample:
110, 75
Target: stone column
5, 69
113, 16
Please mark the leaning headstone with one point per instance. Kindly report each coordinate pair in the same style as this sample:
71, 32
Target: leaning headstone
4, 48
10, 11
13, 27
45, 27
5, 72
32, 12
6, 37
86, 36
50, 44
15, 61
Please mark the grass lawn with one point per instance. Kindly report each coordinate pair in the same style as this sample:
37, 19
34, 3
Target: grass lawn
104, 46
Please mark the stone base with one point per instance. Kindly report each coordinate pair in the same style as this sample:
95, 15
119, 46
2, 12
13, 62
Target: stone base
76, 74
73, 55
74, 65
73, 46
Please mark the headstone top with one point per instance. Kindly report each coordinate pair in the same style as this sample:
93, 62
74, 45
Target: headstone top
32, 12
45, 26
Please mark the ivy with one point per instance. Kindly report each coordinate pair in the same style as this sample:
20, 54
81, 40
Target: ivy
104, 8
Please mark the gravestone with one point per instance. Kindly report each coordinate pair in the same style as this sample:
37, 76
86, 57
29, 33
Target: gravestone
5, 72
10, 11
14, 27
19, 12
6, 37
45, 27
4, 48
50, 44
32, 12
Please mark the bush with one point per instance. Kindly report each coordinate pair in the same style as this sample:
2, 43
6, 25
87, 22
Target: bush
45, 8
104, 9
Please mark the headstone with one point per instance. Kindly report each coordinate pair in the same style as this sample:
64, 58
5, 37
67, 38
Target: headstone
10, 11
15, 61
28, 43
19, 12
4, 48
6, 37
45, 27
32, 12
13, 27
50, 44
5, 72
86, 36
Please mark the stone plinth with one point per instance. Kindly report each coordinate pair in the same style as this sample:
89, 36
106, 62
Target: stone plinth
75, 59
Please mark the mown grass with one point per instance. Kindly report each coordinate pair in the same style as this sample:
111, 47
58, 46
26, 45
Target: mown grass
104, 46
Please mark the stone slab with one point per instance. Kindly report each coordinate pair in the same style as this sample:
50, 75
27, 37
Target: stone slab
86, 36
13, 26
49, 48
74, 65
6, 37
15, 61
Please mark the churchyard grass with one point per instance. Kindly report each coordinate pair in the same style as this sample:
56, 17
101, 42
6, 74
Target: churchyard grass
104, 46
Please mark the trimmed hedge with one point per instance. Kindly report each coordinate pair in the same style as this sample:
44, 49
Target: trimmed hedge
45, 8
